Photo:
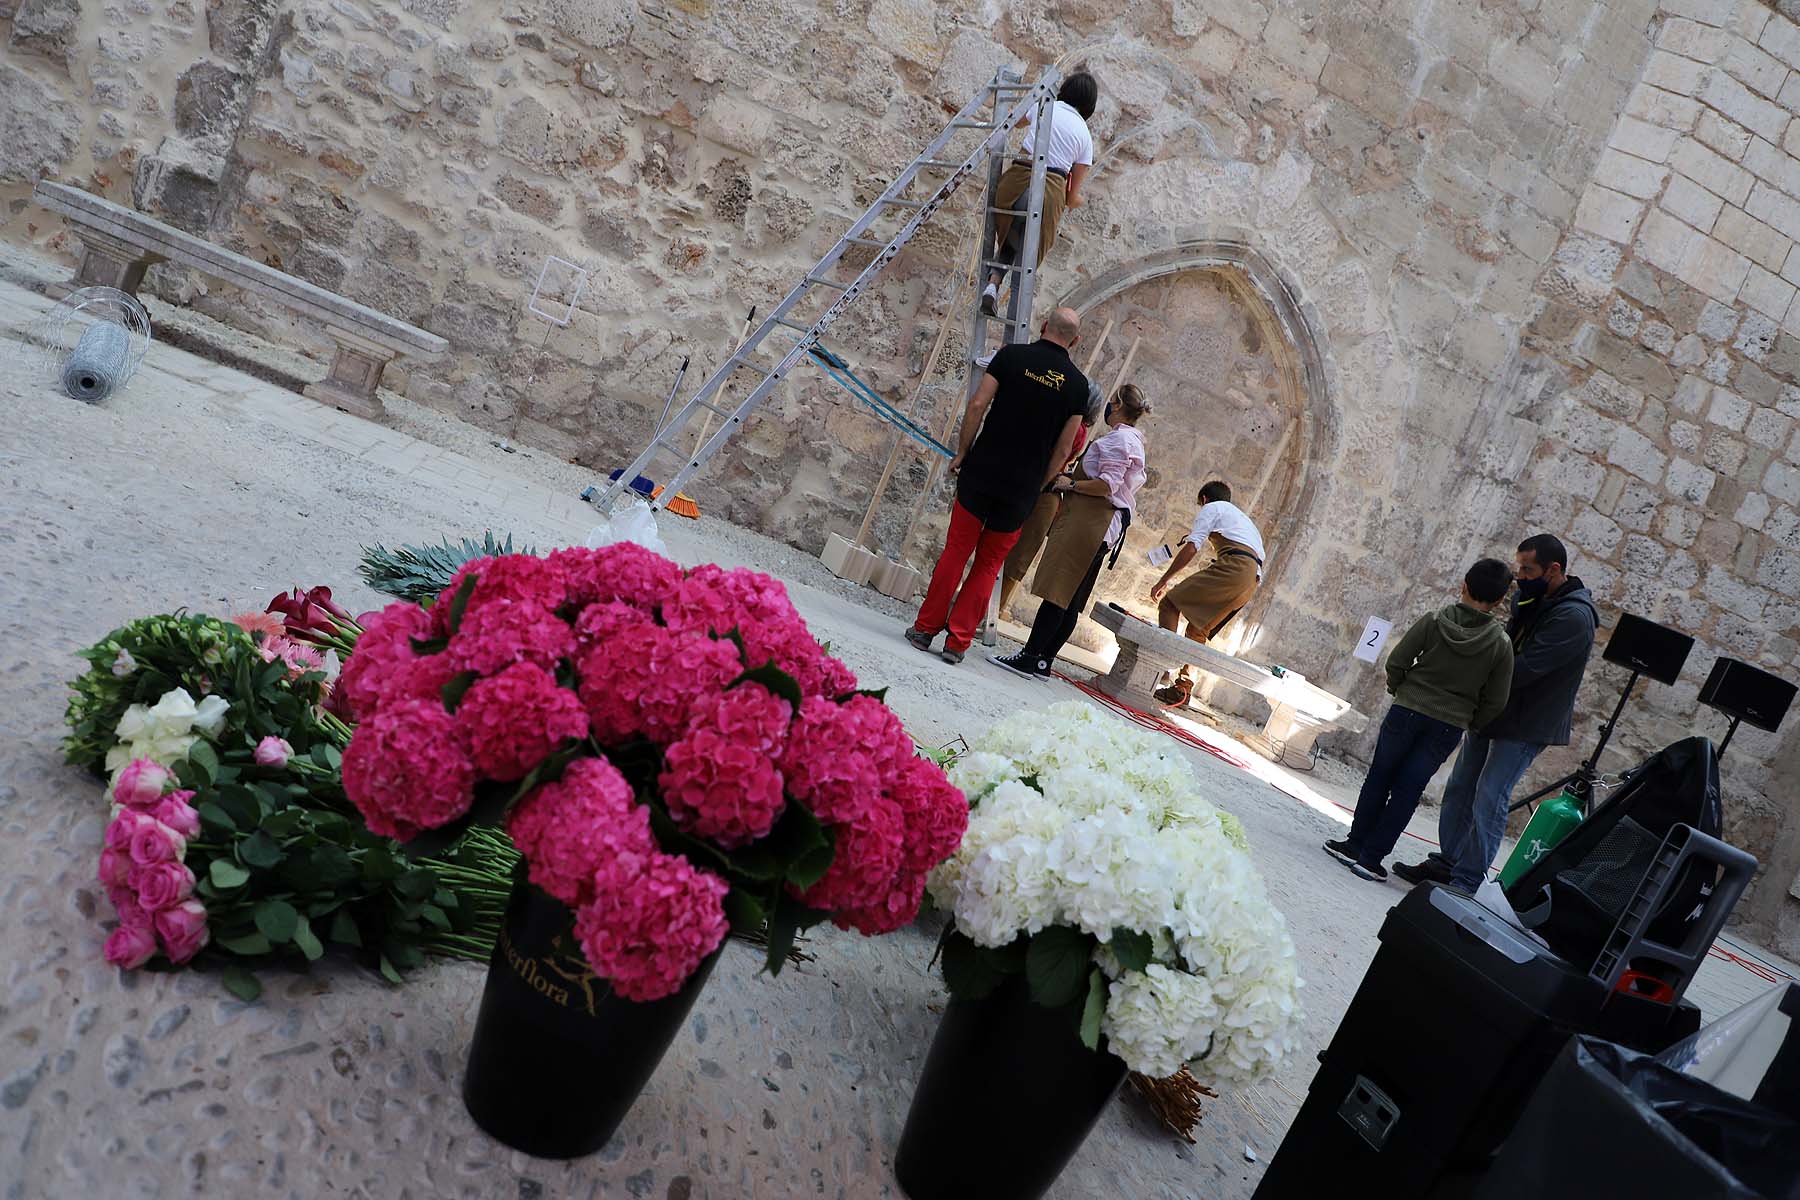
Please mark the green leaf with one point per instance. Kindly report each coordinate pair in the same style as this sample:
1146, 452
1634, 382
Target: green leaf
332, 867
277, 919
204, 759
1056, 963
344, 930
1131, 948
745, 912
240, 983
785, 922
308, 942
435, 916
379, 865
283, 823
791, 851
227, 874
426, 646
249, 944
217, 817
877, 693
416, 884
259, 850
452, 692
318, 755
775, 679
388, 972
460, 602
1093, 1010
970, 971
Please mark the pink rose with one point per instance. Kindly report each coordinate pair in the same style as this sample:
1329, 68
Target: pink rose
273, 752
130, 946
141, 783
177, 814
115, 867
182, 930
162, 885
125, 903
120, 828
153, 842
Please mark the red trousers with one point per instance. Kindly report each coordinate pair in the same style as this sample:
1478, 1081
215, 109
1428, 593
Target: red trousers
967, 536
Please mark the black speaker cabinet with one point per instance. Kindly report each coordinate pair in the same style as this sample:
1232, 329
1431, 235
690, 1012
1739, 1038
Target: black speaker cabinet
1646, 647
1740, 690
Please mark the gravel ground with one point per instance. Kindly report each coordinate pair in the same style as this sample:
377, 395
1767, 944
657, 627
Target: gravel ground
192, 488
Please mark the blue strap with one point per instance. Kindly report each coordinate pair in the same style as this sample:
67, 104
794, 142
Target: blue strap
839, 370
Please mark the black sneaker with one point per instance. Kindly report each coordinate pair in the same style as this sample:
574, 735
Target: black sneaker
950, 656
1374, 871
920, 639
1429, 871
1342, 850
1028, 665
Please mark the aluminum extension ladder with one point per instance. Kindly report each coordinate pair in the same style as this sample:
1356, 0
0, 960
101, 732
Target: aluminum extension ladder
1008, 101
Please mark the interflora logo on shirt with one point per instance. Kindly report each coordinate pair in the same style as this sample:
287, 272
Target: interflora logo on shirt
1050, 379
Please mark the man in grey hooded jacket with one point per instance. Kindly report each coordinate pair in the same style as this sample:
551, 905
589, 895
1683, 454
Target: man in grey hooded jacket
1552, 630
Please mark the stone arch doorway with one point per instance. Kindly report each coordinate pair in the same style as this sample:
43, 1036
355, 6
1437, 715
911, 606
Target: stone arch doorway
1230, 359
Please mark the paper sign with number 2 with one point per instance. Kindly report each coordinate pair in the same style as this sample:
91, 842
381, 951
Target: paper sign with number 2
1374, 637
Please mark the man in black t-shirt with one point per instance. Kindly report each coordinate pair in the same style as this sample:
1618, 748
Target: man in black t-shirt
1016, 433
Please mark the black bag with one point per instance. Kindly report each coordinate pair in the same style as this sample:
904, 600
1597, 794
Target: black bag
1608, 1122
1574, 895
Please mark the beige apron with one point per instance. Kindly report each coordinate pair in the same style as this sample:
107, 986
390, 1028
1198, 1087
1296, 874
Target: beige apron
1012, 187
1076, 535
1031, 538
1210, 598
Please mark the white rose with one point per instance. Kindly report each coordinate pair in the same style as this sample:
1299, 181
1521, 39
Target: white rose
134, 724
174, 713
209, 715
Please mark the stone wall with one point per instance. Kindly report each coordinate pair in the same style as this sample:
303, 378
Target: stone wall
1528, 259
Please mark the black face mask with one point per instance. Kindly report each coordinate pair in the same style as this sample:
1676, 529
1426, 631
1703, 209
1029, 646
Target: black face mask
1533, 589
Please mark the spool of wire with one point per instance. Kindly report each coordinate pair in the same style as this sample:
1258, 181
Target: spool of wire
99, 362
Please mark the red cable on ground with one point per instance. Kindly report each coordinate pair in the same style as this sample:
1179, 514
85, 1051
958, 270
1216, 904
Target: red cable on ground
1153, 722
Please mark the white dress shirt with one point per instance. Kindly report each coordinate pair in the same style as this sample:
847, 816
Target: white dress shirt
1070, 141
1229, 522
1117, 457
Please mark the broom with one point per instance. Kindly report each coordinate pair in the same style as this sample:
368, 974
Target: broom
1175, 1100
682, 505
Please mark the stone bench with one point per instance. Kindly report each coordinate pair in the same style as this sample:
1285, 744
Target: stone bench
1298, 711
119, 245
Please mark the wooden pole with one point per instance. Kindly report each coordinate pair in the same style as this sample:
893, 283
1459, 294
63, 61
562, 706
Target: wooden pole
706, 425
1099, 345
931, 360
1125, 366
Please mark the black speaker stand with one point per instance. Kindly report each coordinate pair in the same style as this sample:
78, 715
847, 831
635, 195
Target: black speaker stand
1580, 781
1729, 734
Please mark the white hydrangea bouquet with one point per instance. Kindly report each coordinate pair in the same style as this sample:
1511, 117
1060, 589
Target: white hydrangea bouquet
1093, 865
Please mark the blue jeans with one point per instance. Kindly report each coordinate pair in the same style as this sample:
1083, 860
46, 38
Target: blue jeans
1473, 819
1411, 748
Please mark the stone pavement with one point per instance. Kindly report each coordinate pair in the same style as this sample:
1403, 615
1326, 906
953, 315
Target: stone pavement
199, 486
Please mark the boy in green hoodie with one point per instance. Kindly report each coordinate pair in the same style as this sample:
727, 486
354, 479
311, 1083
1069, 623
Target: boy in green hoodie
1450, 672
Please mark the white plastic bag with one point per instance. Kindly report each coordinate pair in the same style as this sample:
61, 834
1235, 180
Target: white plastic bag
635, 523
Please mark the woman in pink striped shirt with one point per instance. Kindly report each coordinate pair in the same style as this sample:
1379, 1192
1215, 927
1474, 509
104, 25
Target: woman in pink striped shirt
1097, 501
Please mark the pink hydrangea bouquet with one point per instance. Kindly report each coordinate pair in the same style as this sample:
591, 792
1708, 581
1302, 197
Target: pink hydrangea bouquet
671, 751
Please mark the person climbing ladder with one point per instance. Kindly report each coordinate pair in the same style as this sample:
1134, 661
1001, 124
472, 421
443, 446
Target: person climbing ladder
1071, 153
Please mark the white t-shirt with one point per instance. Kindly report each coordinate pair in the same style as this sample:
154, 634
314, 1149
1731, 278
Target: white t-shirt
1229, 522
1070, 141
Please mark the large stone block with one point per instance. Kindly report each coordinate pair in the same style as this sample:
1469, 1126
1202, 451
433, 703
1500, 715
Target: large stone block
51, 28
906, 29
600, 24
1744, 106
1711, 171
737, 123
210, 103
1609, 214
1632, 451
39, 130
241, 30
969, 62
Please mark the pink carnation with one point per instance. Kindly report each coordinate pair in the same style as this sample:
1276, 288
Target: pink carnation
523, 578
130, 946
175, 812
604, 620
182, 930
384, 645
652, 921
299, 657
141, 783
161, 886
865, 861
624, 572
648, 681
405, 770
503, 632
568, 828
826, 763
512, 721
896, 909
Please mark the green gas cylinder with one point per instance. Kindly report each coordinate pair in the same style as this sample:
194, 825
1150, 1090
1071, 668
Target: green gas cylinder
1550, 824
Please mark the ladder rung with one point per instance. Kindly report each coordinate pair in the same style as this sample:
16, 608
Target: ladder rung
1010, 212
900, 202
787, 324
937, 162
842, 287
863, 241
999, 266
973, 125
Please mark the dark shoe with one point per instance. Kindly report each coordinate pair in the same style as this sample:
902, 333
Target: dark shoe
1342, 850
1176, 695
1374, 871
920, 639
1428, 871
952, 657
1023, 663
